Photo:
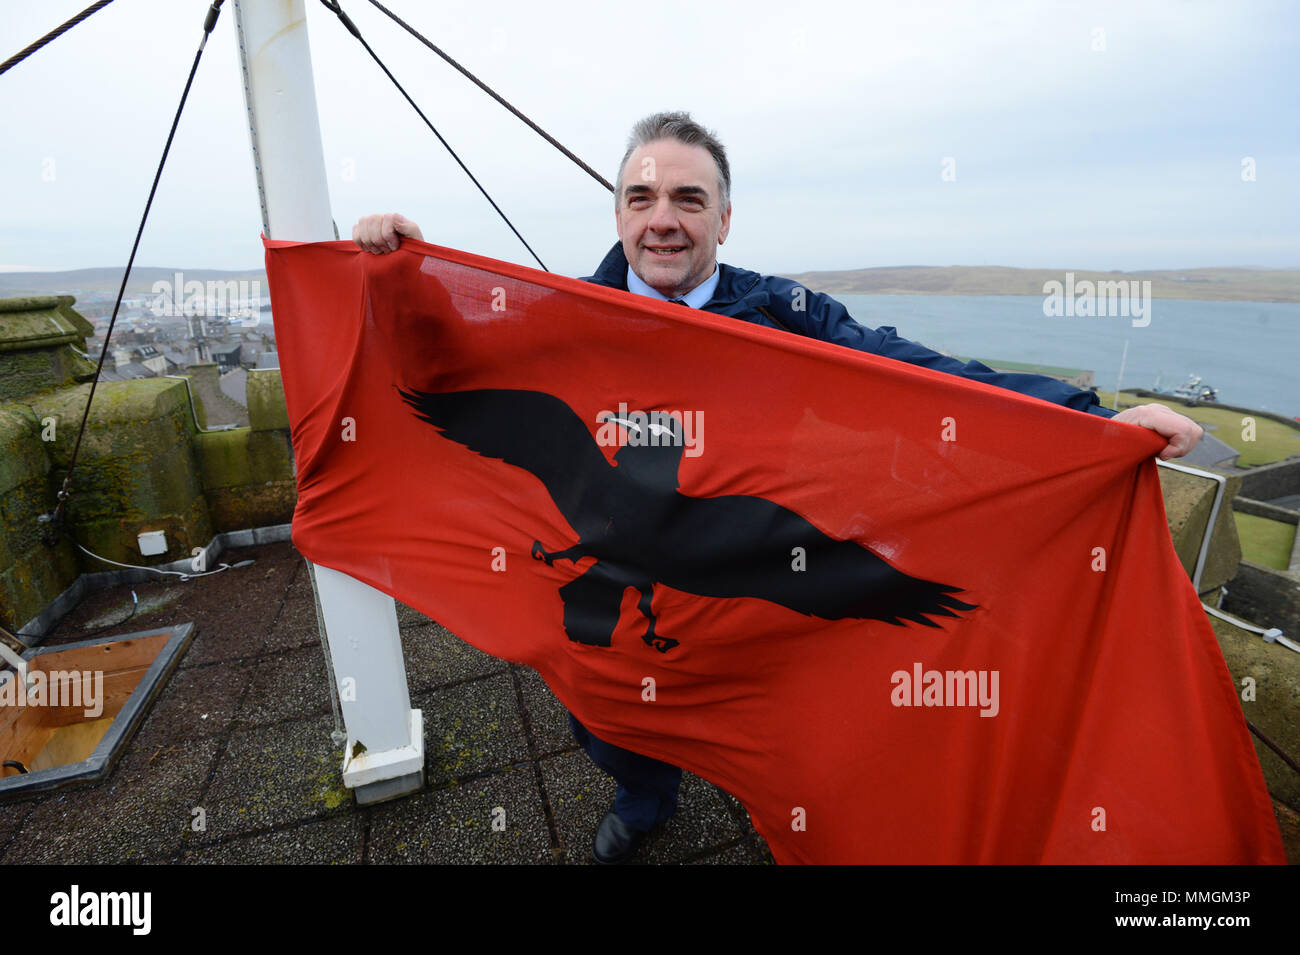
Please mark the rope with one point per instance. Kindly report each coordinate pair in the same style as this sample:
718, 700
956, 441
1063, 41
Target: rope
53, 34
496, 96
209, 22
1273, 746
333, 7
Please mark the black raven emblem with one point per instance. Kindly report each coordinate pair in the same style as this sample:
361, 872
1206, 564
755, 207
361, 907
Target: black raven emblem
642, 530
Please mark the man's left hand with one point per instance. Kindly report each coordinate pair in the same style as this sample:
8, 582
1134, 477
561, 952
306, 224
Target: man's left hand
1182, 431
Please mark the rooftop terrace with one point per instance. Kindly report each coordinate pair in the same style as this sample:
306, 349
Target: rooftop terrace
242, 731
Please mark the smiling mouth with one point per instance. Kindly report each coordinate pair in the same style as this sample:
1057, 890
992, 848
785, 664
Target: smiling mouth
665, 252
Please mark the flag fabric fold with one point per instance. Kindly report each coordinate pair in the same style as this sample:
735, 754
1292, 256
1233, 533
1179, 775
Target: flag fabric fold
902, 616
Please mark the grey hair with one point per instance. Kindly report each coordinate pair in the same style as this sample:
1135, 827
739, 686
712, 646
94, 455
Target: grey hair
679, 126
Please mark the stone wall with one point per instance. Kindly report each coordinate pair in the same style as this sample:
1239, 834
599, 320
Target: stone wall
1246, 505
1272, 480
136, 470
1266, 678
1266, 597
37, 339
1189, 499
35, 566
248, 473
213, 407
142, 465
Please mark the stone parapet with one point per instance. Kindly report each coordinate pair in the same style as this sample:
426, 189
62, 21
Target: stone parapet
34, 566
1244, 505
39, 339
1270, 701
248, 477
266, 407
136, 471
1189, 500
1266, 597
1268, 481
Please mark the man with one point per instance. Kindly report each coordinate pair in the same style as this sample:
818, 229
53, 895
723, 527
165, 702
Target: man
672, 209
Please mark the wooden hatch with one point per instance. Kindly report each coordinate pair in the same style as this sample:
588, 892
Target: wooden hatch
84, 700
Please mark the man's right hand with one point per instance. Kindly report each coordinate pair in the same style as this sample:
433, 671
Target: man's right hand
381, 233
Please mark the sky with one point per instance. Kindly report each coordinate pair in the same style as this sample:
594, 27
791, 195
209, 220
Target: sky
1110, 135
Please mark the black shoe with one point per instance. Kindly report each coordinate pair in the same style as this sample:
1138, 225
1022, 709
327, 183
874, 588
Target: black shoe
615, 841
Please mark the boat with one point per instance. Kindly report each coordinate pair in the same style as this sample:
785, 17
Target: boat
1193, 389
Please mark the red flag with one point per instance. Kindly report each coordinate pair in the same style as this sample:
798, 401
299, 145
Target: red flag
902, 616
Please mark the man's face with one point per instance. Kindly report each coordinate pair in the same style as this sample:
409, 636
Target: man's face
670, 216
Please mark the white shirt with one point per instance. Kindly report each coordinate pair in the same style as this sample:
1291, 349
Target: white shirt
697, 297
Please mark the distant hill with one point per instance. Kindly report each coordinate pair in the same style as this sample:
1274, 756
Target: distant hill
14, 284
1216, 284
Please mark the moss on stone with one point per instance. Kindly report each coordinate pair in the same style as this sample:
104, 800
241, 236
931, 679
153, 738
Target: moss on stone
41, 322
266, 407
117, 403
29, 372
1275, 674
35, 578
242, 457
22, 455
117, 537
32, 572
142, 466
36, 335
20, 511
238, 508
136, 470
1188, 502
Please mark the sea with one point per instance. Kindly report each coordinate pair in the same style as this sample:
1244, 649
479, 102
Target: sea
1249, 351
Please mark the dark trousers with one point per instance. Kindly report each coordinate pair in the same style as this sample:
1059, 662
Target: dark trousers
647, 788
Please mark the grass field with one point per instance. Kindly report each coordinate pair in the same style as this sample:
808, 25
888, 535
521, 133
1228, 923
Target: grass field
1273, 441
1265, 542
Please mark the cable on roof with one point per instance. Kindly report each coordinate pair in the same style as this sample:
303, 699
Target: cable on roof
52, 35
333, 7
496, 96
167, 573
209, 22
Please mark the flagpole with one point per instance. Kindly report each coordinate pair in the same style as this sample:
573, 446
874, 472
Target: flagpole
1119, 380
384, 750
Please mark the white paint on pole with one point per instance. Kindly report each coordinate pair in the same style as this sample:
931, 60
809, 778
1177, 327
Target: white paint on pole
1119, 379
366, 649
284, 127
360, 622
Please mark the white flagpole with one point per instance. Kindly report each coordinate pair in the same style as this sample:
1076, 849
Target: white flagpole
359, 622
1119, 381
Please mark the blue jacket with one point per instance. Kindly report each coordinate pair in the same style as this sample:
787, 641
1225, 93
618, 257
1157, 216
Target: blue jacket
769, 300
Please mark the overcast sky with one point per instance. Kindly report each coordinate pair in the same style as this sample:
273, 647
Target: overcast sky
1082, 135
